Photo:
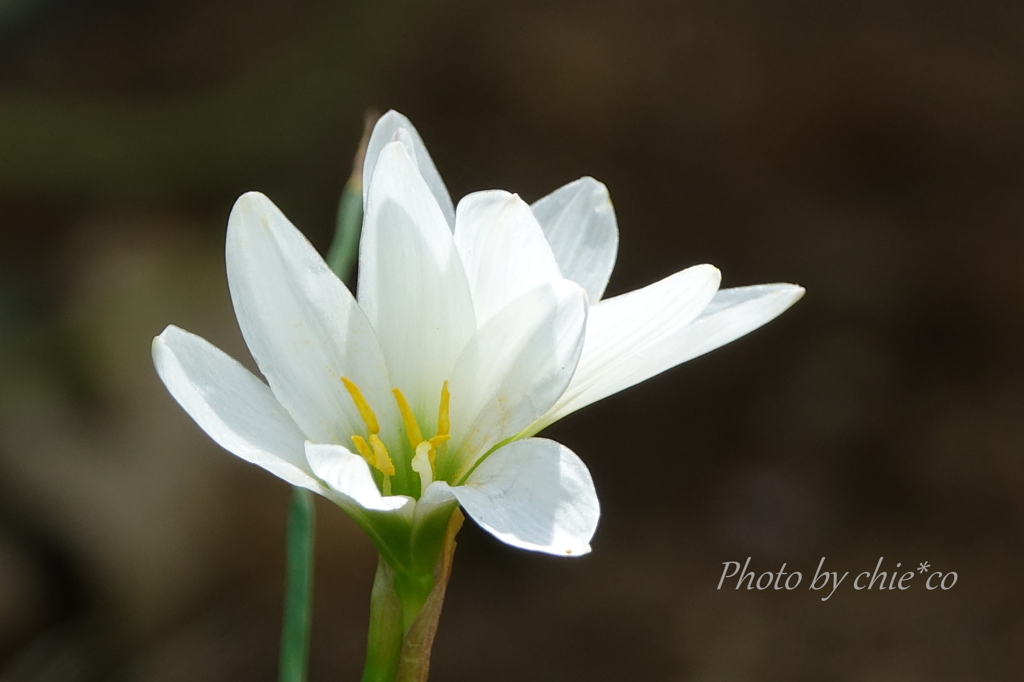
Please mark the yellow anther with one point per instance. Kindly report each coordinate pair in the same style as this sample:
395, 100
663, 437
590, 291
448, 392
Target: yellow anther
364, 407
375, 454
412, 429
364, 450
381, 458
443, 422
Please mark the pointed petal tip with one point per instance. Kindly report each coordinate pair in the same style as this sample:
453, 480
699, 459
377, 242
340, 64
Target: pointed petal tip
251, 200
156, 349
596, 186
791, 292
590, 181
235, 408
579, 223
392, 120
168, 330
705, 273
383, 131
246, 214
160, 341
158, 345
708, 269
393, 115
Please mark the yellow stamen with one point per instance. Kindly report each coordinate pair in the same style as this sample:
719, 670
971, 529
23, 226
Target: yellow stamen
412, 429
364, 407
443, 422
375, 454
381, 458
364, 450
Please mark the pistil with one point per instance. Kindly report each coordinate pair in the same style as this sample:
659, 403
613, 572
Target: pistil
423, 462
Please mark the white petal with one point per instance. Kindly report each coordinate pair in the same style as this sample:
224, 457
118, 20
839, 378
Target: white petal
503, 250
635, 336
534, 494
579, 222
384, 132
235, 408
735, 312
513, 370
303, 327
349, 475
411, 282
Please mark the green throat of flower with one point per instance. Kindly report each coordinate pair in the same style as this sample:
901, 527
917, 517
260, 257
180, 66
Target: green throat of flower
424, 451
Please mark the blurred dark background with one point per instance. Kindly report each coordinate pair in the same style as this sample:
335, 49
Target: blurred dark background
872, 151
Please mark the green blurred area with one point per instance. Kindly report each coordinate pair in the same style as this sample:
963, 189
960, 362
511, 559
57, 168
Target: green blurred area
73, 143
870, 151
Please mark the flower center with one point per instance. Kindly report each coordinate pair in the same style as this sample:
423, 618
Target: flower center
372, 449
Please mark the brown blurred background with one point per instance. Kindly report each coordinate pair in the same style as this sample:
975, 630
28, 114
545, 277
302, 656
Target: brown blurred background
872, 151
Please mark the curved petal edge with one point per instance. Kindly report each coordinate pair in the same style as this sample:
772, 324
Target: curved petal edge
578, 220
231, 405
387, 130
349, 475
730, 314
534, 494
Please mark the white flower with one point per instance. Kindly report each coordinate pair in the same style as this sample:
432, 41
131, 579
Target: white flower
470, 334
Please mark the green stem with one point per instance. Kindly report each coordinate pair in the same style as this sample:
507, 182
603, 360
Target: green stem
404, 612
298, 599
384, 639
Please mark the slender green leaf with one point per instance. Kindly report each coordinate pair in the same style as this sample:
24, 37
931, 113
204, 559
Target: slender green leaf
298, 598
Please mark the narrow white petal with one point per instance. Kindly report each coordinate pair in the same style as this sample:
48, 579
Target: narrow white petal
503, 250
411, 282
513, 370
235, 408
735, 312
579, 223
303, 326
634, 336
534, 494
730, 314
349, 475
384, 132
